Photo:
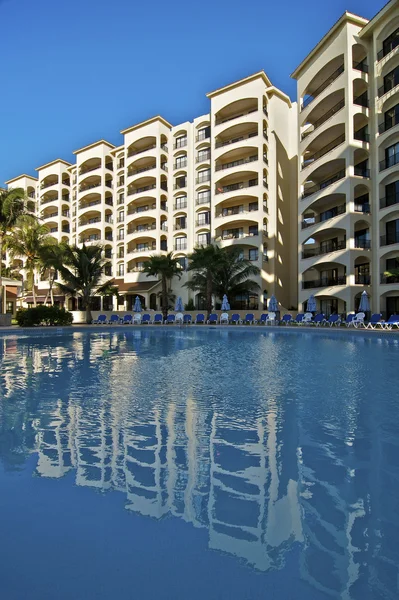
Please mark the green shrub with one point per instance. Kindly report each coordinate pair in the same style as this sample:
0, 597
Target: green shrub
43, 315
190, 305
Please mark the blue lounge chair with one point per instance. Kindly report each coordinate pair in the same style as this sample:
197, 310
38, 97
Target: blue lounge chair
101, 320
187, 319
286, 319
349, 319
263, 319
235, 319
200, 319
393, 321
375, 321
213, 318
299, 318
250, 319
127, 320
332, 320
146, 319
170, 319
319, 319
158, 318
114, 320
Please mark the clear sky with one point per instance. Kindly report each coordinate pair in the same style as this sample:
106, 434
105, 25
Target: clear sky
75, 71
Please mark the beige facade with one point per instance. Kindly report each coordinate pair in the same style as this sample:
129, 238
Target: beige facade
308, 191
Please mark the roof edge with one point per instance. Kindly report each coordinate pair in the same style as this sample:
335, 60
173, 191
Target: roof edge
239, 82
20, 177
93, 145
147, 122
53, 162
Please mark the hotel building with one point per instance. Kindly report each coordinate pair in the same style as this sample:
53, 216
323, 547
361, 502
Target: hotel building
308, 191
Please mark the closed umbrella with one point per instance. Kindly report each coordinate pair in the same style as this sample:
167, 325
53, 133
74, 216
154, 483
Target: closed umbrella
225, 303
137, 305
311, 305
273, 304
364, 305
179, 305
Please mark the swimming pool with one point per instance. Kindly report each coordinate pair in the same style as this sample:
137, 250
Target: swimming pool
199, 464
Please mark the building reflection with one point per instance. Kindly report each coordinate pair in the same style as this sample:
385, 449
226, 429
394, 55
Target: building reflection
259, 481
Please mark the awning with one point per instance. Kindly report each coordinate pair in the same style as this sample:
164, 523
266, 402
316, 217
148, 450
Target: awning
134, 288
29, 299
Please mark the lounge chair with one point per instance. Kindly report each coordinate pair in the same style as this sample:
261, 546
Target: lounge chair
170, 319
250, 319
158, 318
235, 319
393, 321
137, 319
332, 320
286, 319
307, 319
263, 319
127, 320
349, 319
213, 318
114, 320
200, 319
299, 318
146, 319
187, 319
358, 320
224, 318
375, 321
179, 318
101, 320
319, 320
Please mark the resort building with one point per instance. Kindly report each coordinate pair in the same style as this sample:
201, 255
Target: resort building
308, 191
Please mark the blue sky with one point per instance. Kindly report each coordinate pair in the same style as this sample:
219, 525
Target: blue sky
75, 71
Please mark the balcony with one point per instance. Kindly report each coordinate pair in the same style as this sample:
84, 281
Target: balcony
180, 143
203, 136
362, 100
89, 186
65, 229
47, 200
205, 199
392, 238
324, 282
180, 247
336, 108
361, 66
325, 216
322, 87
137, 171
141, 209
146, 188
323, 184
386, 279
389, 162
237, 163
87, 204
180, 205
362, 279
142, 248
50, 216
180, 164
164, 147
48, 184
361, 172
242, 185
203, 178
202, 223
141, 150
389, 200
203, 157
179, 226
142, 228
326, 248
361, 135
387, 87
313, 157
239, 114
95, 237
90, 221
65, 198
180, 186
235, 140
363, 244
84, 170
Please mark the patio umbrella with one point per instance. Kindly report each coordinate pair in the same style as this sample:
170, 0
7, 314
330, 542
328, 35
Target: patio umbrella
137, 305
225, 303
179, 304
364, 305
311, 306
273, 304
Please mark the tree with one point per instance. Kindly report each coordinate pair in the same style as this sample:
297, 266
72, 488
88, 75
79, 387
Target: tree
50, 255
13, 204
81, 270
233, 275
392, 273
26, 241
205, 261
166, 267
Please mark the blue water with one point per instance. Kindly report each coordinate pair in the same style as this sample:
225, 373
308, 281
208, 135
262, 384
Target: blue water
199, 464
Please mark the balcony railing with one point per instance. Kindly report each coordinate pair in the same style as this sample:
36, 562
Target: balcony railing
48, 184
84, 170
146, 188
135, 152
203, 157
89, 186
90, 238
140, 209
179, 247
325, 216
109, 166
361, 135
387, 87
179, 226
235, 210
180, 164
219, 121
392, 238
309, 160
180, 205
237, 163
363, 244
164, 147
323, 86
180, 186
326, 248
142, 228
364, 207
361, 172
337, 107
236, 186
47, 200
361, 66
362, 100
235, 140
388, 124
90, 221
202, 223
362, 279
389, 200
202, 136
387, 279
164, 167
65, 197
324, 282
389, 162
137, 171
203, 179
50, 216
87, 204
323, 184
205, 199
143, 248
239, 235
180, 143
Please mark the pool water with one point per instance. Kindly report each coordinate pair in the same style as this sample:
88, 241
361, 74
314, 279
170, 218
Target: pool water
199, 464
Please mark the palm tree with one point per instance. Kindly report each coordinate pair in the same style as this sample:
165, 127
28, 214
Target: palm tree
166, 267
205, 261
233, 275
50, 255
81, 270
26, 241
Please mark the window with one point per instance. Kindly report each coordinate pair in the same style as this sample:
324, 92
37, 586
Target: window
252, 206
391, 80
181, 202
204, 175
234, 210
140, 266
204, 133
181, 141
232, 233
9, 307
182, 261
121, 234
203, 239
181, 223
392, 231
203, 155
181, 162
391, 117
253, 254
142, 246
390, 42
180, 243
391, 155
204, 218
121, 216
164, 245
392, 193
204, 196
181, 182
253, 230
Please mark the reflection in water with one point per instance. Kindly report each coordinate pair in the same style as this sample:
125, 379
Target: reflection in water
233, 432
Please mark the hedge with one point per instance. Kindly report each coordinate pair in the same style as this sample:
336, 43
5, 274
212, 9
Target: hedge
43, 315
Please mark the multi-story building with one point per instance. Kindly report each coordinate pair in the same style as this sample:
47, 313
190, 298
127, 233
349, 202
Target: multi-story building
308, 191
348, 149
